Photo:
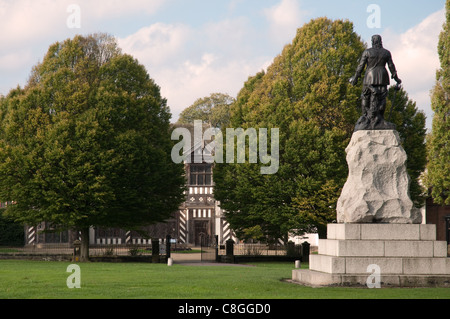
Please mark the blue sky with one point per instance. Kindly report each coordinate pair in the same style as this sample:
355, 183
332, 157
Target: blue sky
193, 48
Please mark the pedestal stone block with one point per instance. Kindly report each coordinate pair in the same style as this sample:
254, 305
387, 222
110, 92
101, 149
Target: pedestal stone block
315, 278
327, 264
344, 231
381, 231
349, 248
426, 266
382, 248
318, 279
359, 265
427, 232
390, 232
440, 249
407, 255
409, 249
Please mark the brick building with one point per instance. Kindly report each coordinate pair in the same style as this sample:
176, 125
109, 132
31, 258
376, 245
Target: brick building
440, 216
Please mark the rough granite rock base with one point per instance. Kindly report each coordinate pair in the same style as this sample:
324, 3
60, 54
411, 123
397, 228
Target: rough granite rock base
377, 188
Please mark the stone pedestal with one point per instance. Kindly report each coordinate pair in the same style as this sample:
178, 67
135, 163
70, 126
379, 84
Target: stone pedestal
377, 188
407, 255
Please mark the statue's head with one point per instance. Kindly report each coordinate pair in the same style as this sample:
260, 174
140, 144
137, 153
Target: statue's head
377, 42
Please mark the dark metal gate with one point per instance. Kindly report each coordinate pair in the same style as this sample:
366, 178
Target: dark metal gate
447, 229
209, 248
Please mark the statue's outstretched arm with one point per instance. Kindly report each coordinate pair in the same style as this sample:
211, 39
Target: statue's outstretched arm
393, 70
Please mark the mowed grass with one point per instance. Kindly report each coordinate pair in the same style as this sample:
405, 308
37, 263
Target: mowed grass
47, 280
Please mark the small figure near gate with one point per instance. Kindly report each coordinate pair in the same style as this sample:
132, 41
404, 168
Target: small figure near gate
375, 86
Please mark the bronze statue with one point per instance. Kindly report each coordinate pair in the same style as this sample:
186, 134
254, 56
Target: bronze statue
375, 86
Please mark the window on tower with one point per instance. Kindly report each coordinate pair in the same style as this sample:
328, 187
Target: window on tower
200, 174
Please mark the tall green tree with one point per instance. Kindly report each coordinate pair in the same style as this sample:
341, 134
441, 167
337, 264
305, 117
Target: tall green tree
87, 142
213, 110
438, 176
306, 94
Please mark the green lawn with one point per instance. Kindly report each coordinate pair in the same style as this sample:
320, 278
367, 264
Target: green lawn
47, 280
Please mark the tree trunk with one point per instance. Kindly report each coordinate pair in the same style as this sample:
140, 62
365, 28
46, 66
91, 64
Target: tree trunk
84, 245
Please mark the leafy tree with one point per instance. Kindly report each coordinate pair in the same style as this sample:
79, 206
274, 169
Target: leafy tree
87, 142
438, 178
306, 94
214, 110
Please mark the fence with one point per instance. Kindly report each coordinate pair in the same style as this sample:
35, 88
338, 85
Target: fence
110, 250
66, 249
263, 250
95, 250
122, 250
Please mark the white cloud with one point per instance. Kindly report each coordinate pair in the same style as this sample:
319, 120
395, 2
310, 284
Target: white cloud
190, 63
416, 58
116, 8
184, 84
25, 21
28, 27
157, 43
15, 60
229, 36
234, 3
284, 18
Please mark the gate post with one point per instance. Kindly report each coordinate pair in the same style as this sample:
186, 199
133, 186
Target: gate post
305, 251
155, 250
230, 250
216, 246
168, 238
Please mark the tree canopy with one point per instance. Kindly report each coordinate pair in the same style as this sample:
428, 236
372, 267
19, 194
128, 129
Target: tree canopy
438, 177
87, 142
213, 110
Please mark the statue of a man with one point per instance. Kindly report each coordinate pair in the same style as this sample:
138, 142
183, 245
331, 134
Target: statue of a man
375, 86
